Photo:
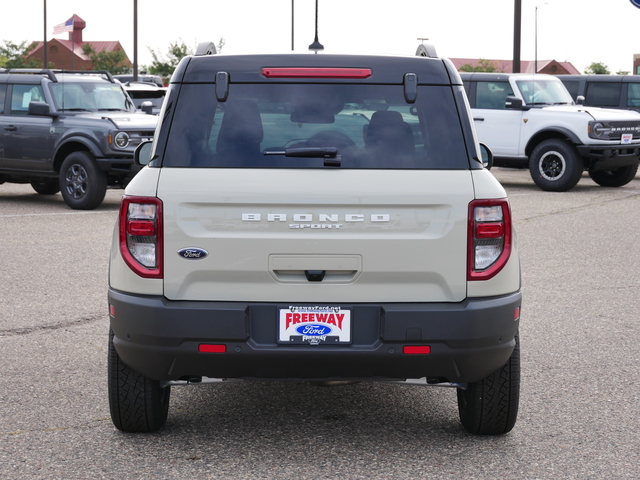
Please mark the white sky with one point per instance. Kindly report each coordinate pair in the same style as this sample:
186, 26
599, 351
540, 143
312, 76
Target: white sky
578, 31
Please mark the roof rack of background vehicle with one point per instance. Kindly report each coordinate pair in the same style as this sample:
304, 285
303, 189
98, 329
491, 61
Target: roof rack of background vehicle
51, 73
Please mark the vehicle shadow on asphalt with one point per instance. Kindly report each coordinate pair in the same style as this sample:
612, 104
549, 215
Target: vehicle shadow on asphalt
387, 422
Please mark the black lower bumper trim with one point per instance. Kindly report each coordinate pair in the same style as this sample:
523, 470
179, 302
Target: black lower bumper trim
159, 338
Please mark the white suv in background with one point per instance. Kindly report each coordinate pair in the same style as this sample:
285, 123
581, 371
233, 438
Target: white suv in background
531, 121
314, 218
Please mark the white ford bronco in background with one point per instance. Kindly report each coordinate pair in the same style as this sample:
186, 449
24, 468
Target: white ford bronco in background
531, 121
314, 218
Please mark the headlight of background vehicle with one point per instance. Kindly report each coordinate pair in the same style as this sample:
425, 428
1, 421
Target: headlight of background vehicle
121, 140
598, 130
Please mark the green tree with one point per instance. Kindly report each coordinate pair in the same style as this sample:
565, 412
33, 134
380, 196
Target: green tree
622, 72
13, 55
165, 65
597, 68
221, 43
113, 62
483, 65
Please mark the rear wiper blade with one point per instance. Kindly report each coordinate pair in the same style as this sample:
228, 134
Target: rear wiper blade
331, 155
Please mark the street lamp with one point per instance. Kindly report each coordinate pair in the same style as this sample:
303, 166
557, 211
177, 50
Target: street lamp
535, 68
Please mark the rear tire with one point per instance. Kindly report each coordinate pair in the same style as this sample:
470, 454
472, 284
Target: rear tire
614, 178
137, 403
46, 187
555, 165
82, 183
490, 406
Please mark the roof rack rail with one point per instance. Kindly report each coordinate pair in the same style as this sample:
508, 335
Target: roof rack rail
36, 71
206, 48
93, 72
426, 50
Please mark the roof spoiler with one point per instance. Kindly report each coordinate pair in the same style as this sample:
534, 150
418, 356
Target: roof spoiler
426, 50
205, 48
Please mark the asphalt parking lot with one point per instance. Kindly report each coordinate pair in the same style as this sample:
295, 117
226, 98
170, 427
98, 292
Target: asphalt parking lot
580, 404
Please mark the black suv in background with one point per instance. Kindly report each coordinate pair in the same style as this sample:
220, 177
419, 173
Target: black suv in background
607, 91
73, 132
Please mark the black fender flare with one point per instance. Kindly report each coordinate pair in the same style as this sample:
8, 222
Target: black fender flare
73, 144
553, 132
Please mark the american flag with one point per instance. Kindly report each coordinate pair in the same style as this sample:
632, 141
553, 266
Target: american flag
63, 27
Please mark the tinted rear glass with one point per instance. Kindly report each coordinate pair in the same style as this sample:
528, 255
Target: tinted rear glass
600, 94
372, 126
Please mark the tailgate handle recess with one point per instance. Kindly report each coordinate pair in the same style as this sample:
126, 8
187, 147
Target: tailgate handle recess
315, 275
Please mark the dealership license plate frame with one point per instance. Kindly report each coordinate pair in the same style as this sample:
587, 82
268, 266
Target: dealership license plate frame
341, 327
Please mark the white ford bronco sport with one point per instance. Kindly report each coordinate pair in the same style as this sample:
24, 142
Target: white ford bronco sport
531, 121
314, 218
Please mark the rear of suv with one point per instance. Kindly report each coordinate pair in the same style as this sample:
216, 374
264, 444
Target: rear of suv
314, 218
73, 132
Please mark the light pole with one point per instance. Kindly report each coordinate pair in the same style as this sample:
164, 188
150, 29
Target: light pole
535, 63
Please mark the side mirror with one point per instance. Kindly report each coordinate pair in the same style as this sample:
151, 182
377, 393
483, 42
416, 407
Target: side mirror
147, 107
40, 109
142, 155
580, 100
487, 156
513, 103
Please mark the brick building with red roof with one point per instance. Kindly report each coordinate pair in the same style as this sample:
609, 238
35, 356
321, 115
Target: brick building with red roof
69, 54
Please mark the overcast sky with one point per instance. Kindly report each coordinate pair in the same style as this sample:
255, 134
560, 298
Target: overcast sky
578, 31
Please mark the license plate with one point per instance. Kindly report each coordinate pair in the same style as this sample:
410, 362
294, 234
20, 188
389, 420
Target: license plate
314, 325
626, 138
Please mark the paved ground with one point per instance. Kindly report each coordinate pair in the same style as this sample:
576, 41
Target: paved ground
580, 405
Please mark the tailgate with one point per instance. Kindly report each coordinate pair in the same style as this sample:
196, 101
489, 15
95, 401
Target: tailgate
315, 235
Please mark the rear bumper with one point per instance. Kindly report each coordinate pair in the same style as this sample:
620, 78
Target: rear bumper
159, 338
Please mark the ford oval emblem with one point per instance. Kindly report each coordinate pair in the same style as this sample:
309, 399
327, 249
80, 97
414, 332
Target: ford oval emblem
313, 330
193, 253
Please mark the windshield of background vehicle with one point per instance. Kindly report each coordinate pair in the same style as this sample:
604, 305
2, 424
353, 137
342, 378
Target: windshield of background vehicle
95, 96
372, 126
544, 92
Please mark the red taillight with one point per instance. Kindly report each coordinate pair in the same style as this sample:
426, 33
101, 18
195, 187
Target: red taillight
140, 226
211, 348
490, 238
416, 349
355, 73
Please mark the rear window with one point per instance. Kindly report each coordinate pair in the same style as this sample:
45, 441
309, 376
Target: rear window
372, 127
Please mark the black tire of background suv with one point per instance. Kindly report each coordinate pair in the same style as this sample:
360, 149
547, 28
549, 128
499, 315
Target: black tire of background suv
490, 406
46, 187
573, 165
137, 404
614, 178
82, 183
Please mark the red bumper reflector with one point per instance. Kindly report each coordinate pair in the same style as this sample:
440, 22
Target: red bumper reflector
416, 349
112, 310
516, 313
208, 348
316, 72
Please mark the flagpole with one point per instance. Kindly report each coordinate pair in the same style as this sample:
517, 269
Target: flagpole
45, 63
